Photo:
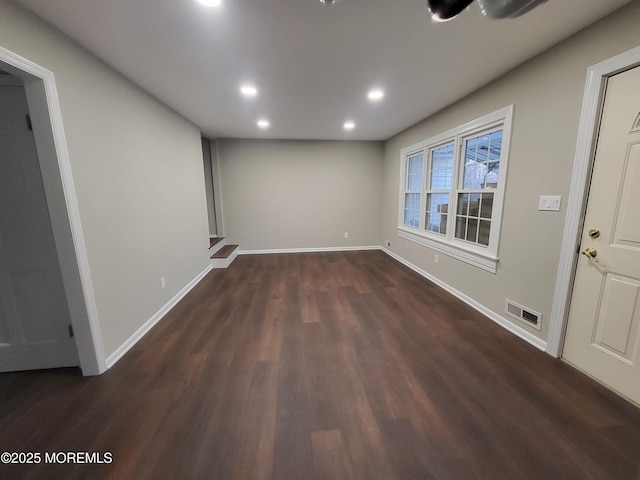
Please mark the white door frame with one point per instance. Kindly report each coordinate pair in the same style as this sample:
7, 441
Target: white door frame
597, 76
57, 176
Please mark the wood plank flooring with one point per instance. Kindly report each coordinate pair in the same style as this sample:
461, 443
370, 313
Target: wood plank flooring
323, 366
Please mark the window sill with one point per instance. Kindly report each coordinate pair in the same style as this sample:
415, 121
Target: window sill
484, 262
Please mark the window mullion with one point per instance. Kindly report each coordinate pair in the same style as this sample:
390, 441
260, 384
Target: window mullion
453, 194
426, 166
406, 174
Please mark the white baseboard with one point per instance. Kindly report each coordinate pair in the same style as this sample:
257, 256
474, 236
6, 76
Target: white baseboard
490, 314
309, 250
503, 322
149, 324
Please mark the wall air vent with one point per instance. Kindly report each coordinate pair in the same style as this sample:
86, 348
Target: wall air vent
524, 314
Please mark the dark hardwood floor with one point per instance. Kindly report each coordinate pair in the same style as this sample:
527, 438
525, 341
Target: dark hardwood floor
323, 366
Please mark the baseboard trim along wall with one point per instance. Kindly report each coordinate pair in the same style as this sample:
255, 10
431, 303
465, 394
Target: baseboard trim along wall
308, 250
490, 314
149, 324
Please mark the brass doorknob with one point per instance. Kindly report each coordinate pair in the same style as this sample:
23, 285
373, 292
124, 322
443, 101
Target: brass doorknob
590, 253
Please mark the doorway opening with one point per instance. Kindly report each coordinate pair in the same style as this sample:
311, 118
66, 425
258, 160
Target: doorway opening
35, 325
45, 118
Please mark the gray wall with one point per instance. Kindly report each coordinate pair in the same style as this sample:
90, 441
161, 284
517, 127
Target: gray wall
301, 194
138, 173
547, 94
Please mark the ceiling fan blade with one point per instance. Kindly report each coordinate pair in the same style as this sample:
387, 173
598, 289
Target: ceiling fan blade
507, 8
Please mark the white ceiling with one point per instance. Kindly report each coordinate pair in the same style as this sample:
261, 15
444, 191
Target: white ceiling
313, 64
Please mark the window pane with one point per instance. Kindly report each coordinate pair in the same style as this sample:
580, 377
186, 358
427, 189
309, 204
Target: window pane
411, 218
463, 204
495, 145
491, 177
461, 227
471, 150
474, 175
472, 207
436, 214
486, 208
436, 222
474, 204
414, 172
412, 209
438, 202
441, 168
482, 148
483, 233
482, 161
412, 201
472, 230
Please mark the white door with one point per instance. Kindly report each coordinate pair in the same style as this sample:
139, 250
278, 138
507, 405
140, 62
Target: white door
603, 333
34, 316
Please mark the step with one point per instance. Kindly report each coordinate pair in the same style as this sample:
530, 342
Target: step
215, 244
223, 257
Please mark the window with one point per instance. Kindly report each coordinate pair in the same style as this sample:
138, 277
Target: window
413, 190
453, 187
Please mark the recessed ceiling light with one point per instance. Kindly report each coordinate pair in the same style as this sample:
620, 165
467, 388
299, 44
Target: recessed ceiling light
349, 125
375, 94
211, 3
263, 123
248, 90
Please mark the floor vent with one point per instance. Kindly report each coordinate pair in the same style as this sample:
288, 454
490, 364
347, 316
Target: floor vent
524, 314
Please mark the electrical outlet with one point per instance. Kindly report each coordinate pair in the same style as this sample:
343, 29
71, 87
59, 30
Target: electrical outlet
346, 234
387, 243
436, 259
163, 282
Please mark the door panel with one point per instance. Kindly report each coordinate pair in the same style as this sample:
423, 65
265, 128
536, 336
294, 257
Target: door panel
34, 316
603, 333
616, 325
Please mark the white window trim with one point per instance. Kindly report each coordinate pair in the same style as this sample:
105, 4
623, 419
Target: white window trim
485, 258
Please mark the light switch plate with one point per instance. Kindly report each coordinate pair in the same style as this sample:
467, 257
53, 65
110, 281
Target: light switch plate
550, 203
